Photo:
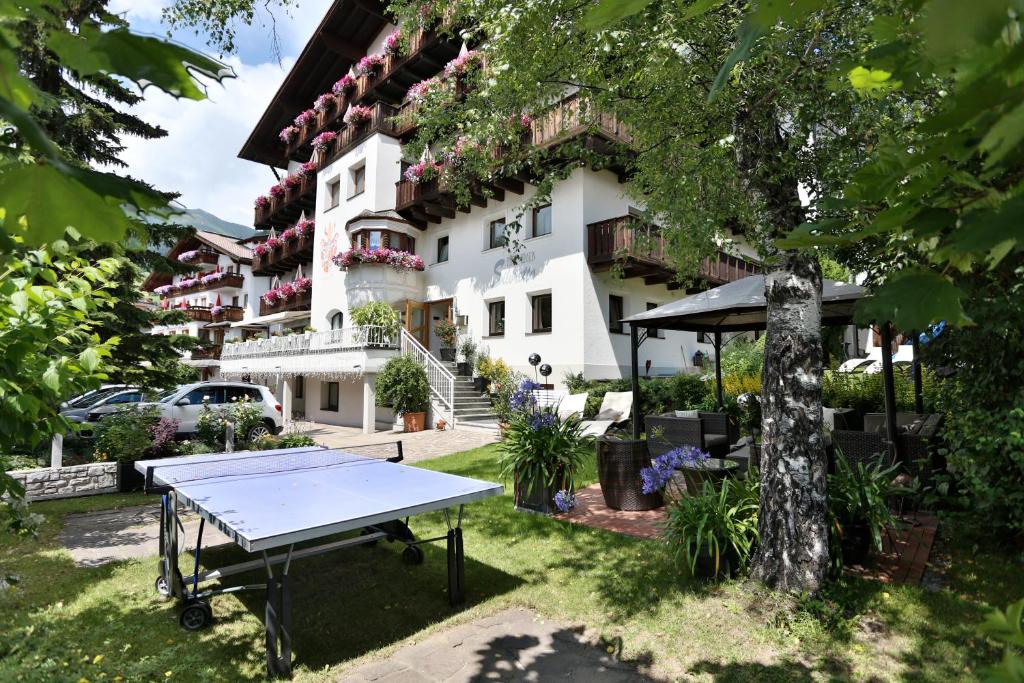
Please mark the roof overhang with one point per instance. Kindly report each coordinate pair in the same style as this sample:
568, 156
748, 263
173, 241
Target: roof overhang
339, 41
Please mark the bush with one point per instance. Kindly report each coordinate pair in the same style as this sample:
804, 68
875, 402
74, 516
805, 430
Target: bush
212, 423
657, 395
402, 384
866, 393
742, 357
266, 443
737, 385
135, 434
376, 313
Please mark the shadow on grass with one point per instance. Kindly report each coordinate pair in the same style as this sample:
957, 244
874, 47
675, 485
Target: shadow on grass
826, 669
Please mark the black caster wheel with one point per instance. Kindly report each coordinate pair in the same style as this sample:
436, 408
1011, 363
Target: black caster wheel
196, 616
162, 589
413, 554
367, 532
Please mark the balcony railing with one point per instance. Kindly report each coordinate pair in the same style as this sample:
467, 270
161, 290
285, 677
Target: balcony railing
425, 52
227, 281
206, 257
285, 210
199, 313
382, 120
286, 257
573, 117
300, 302
638, 250
329, 341
207, 352
229, 314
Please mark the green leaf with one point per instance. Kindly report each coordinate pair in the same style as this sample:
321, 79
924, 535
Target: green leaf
870, 81
51, 378
912, 300
952, 28
700, 7
50, 201
747, 34
142, 59
1004, 136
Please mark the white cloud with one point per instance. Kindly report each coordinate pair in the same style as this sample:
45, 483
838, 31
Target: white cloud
138, 10
198, 158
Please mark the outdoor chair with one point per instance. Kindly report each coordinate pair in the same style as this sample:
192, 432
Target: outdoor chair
616, 407
562, 402
707, 431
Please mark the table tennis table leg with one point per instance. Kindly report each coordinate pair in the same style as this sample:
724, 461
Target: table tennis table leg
456, 561
278, 619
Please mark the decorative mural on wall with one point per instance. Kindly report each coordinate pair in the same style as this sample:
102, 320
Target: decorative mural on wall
330, 246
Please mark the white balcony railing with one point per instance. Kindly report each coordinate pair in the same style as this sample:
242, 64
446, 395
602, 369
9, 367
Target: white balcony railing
329, 341
442, 382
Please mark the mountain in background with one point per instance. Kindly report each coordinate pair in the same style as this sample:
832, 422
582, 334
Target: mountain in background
207, 222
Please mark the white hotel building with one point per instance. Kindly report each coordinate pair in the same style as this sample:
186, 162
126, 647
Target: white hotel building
560, 299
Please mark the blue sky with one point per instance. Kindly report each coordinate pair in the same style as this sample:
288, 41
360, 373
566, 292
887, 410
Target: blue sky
198, 158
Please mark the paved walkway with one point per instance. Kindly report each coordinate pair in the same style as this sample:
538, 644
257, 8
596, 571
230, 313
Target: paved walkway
905, 551
590, 510
416, 446
514, 645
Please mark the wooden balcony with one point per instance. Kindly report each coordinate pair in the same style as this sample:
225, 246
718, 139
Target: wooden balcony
299, 302
286, 210
637, 249
228, 314
426, 54
229, 281
198, 313
574, 117
285, 258
207, 351
382, 120
205, 257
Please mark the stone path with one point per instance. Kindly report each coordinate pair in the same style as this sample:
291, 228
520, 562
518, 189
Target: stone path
416, 446
905, 551
513, 645
591, 511
95, 538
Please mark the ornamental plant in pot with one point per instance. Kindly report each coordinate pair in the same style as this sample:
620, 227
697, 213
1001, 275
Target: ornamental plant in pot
714, 531
402, 384
541, 453
858, 509
448, 333
467, 349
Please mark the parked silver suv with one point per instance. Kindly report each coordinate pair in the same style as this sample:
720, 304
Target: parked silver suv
185, 403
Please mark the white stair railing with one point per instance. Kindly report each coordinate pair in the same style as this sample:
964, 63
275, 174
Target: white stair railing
441, 381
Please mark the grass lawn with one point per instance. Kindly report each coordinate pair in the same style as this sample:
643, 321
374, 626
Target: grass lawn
65, 623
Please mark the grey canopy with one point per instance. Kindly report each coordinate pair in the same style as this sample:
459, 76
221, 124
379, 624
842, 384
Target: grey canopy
740, 306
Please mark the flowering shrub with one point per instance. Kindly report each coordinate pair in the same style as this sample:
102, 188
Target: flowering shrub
262, 202
423, 171
399, 260
164, 290
302, 284
288, 134
261, 249
357, 115
463, 64
368, 65
278, 191
418, 92
305, 118
324, 103
293, 181
287, 290
271, 296
662, 468
344, 85
304, 228
308, 169
540, 450
188, 256
393, 43
322, 142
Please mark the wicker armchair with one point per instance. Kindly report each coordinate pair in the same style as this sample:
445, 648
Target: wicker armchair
665, 432
864, 447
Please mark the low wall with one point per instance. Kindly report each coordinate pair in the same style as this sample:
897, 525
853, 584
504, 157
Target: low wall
66, 482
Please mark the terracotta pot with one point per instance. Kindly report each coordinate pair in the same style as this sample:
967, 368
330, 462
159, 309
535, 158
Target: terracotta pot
414, 422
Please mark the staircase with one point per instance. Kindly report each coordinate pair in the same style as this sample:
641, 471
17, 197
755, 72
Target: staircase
472, 409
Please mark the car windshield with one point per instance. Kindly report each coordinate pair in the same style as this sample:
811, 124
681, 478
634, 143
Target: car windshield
160, 398
93, 399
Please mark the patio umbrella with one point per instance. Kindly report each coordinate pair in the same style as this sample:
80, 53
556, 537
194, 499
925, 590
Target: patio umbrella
298, 272
218, 300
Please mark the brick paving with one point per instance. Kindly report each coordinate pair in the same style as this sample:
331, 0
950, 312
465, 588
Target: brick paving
905, 552
591, 511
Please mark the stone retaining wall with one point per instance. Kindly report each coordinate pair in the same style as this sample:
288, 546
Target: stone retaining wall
66, 482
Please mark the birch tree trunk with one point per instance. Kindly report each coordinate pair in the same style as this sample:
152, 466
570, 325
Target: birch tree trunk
792, 520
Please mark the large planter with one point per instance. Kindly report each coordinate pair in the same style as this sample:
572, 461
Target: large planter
537, 496
480, 384
448, 355
465, 369
414, 422
856, 543
619, 462
128, 479
728, 564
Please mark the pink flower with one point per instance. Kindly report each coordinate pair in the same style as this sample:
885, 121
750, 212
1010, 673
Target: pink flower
399, 260
287, 290
288, 134
525, 120
274, 242
212, 277
423, 171
463, 64
294, 180
305, 118
308, 169
271, 297
324, 103
278, 191
288, 235
188, 256
302, 284
262, 202
357, 115
322, 142
304, 228
368, 65
217, 310
419, 91
164, 290
393, 43
344, 85
261, 249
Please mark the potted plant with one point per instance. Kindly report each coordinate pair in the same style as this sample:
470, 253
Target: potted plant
858, 509
714, 531
467, 349
541, 453
402, 384
447, 332
483, 369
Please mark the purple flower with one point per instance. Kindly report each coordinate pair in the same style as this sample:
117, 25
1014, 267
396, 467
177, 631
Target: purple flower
655, 477
543, 420
523, 397
565, 501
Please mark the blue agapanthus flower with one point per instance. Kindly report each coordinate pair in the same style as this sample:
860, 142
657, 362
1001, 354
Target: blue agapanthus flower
542, 420
565, 501
523, 396
655, 477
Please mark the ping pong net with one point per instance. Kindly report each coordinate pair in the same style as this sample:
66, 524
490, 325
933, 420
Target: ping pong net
205, 468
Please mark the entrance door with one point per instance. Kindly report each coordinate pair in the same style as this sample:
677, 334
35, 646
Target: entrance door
417, 319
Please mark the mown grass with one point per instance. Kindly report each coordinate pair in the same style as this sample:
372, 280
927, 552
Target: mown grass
68, 623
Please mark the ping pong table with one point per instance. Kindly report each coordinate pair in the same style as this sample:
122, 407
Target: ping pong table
280, 499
